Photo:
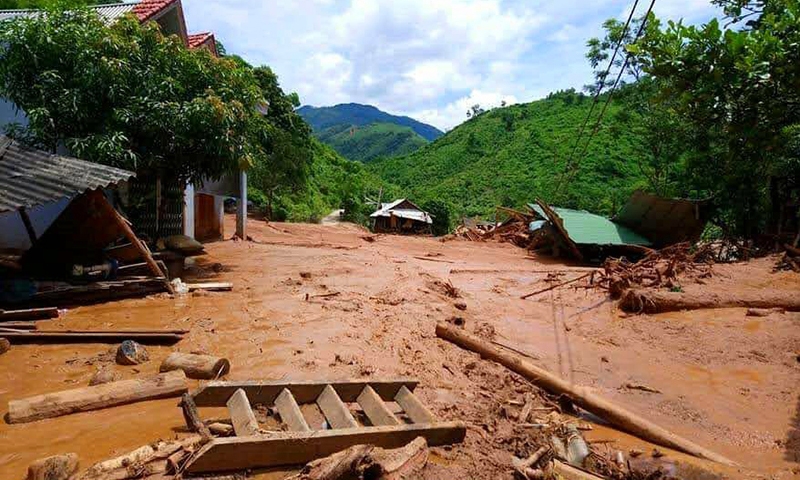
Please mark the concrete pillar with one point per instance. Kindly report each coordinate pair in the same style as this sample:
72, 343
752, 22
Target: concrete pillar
241, 212
188, 210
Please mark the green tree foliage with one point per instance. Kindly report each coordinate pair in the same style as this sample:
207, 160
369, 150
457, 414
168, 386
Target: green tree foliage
738, 90
33, 4
440, 211
125, 95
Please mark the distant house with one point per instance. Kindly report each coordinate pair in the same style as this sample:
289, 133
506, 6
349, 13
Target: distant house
401, 216
193, 210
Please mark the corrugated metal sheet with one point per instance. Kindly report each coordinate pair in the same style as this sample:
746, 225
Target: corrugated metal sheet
665, 221
108, 12
586, 228
408, 211
30, 177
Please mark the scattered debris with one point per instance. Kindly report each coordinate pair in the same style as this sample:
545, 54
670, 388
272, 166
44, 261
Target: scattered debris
104, 375
559, 285
429, 259
580, 396
460, 306
643, 388
84, 399
202, 367
132, 353
162, 460
764, 312
524, 468
364, 462
59, 467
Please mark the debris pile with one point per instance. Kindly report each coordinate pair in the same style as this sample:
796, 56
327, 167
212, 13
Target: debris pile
514, 230
790, 259
660, 268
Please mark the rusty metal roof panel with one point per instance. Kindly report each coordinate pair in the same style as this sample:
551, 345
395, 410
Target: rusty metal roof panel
31, 177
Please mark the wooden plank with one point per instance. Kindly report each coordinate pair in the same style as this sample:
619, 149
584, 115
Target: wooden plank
26, 220
128, 232
19, 325
110, 394
290, 412
242, 416
210, 286
377, 411
335, 411
410, 404
29, 314
193, 421
294, 448
47, 337
558, 223
215, 394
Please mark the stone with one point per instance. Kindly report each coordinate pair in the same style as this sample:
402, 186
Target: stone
104, 375
131, 353
5, 345
59, 467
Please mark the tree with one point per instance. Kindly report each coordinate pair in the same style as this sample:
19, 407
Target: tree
440, 211
739, 91
126, 95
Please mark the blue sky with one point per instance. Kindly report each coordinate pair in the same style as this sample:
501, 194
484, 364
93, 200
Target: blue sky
429, 59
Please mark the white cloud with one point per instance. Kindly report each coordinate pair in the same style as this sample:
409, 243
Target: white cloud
430, 58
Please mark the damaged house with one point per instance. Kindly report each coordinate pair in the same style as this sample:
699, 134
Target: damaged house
161, 208
62, 239
401, 216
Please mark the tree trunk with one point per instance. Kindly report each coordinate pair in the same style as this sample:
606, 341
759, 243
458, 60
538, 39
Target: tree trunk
657, 301
201, 367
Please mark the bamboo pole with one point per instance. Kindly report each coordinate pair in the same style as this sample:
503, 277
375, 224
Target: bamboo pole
581, 396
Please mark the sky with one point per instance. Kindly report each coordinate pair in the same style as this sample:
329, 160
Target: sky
428, 59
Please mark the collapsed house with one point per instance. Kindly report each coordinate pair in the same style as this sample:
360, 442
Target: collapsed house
645, 222
401, 216
87, 252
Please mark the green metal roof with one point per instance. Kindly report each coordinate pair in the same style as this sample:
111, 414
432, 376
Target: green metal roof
586, 228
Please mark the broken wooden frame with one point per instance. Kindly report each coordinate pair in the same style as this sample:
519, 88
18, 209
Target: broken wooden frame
253, 448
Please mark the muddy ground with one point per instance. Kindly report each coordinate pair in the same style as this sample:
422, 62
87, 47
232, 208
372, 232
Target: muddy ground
727, 381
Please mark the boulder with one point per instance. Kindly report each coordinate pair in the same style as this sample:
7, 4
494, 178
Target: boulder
131, 353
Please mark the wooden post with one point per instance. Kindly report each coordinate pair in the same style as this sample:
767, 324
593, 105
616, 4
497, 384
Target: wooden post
28, 225
241, 211
102, 202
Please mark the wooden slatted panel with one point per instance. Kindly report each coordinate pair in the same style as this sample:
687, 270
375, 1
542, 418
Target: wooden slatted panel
215, 394
242, 417
377, 411
335, 411
290, 412
296, 448
410, 404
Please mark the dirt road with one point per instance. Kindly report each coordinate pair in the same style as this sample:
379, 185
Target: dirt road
727, 381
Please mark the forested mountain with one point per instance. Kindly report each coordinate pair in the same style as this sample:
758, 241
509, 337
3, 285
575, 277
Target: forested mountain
364, 133
321, 118
510, 156
368, 142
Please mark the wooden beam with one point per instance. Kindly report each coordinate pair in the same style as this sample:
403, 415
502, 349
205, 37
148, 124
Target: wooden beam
215, 394
290, 412
106, 395
294, 448
29, 314
28, 225
242, 416
410, 404
210, 286
46, 337
193, 421
558, 223
377, 411
335, 411
19, 325
128, 232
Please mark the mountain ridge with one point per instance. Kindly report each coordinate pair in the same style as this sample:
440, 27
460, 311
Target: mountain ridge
359, 114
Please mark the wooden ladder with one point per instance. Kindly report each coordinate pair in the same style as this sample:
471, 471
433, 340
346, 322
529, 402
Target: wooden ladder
299, 443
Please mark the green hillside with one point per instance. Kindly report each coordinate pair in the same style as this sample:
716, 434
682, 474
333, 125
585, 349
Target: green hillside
509, 156
366, 143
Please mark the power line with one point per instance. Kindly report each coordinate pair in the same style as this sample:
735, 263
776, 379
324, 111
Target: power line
614, 86
602, 84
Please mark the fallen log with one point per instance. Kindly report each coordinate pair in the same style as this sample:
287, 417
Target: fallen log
92, 336
581, 396
201, 367
568, 472
49, 405
19, 325
657, 301
210, 287
59, 467
193, 421
368, 461
29, 314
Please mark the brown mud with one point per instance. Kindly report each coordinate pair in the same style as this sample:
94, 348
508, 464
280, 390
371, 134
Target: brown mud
726, 381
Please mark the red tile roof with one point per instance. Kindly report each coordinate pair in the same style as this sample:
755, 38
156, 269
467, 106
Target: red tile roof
198, 39
147, 9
